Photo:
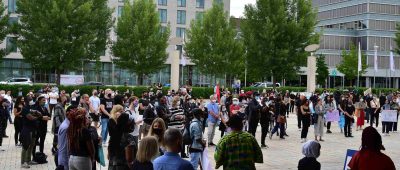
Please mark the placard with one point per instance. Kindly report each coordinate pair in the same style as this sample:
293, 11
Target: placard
348, 157
332, 116
71, 79
389, 115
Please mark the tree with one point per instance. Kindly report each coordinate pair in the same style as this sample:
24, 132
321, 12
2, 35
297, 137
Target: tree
275, 34
322, 70
60, 35
397, 39
213, 44
4, 29
349, 64
141, 43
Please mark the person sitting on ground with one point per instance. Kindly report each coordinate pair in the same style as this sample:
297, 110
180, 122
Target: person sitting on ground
370, 155
237, 150
147, 151
171, 159
311, 151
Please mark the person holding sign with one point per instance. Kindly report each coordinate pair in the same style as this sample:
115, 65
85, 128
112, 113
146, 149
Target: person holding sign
386, 125
330, 106
370, 155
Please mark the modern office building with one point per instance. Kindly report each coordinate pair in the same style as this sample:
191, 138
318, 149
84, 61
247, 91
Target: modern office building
177, 13
368, 22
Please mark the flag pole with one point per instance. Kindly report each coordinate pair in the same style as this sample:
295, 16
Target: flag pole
359, 65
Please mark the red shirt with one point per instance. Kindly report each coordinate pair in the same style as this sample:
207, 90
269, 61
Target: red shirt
371, 160
234, 107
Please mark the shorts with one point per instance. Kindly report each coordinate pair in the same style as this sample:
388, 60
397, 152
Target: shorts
95, 118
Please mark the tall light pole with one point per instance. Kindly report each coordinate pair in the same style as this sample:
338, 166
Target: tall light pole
375, 61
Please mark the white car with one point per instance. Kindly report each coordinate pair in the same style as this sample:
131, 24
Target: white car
18, 81
268, 85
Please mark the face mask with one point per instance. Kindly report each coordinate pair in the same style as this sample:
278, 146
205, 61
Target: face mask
223, 109
178, 103
31, 102
109, 95
361, 100
95, 94
157, 131
236, 102
42, 104
214, 101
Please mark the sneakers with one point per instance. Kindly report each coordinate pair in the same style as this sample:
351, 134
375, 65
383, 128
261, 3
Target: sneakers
32, 163
25, 165
270, 136
264, 146
328, 131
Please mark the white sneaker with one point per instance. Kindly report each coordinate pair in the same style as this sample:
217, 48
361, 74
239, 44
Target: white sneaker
25, 165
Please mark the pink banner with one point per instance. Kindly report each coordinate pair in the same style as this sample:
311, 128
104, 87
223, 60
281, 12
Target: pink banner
332, 116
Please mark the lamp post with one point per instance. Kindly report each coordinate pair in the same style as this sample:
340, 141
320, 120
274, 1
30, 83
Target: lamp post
375, 61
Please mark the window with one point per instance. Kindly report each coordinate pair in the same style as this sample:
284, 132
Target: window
181, 17
163, 15
11, 45
181, 3
199, 15
199, 3
162, 2
180, 32
120, 9
12, 6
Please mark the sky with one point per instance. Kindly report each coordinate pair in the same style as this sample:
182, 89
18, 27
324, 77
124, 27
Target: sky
237, 7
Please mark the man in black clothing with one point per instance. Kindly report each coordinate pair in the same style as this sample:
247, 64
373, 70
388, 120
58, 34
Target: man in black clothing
253, 115
42, 123
348, 118
368, 111
298, 103
3, 118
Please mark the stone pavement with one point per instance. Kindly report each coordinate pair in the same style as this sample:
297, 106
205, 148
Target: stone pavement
281, 154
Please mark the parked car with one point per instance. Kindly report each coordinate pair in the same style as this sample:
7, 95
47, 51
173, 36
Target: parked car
93, 83
18, 81
266, 84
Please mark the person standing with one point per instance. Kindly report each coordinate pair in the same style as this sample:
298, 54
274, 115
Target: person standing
374, 111
53, 97
148, 150
95, 108
3, 119
254, 114
196, 134
58, 117
265, 118
9, 97
286, 102
319, 123
298, 103
306, 113
229, 152
62, 138
106, 106
171, 160
223, 114
330, 106
370, 155
42, 127
19, 105
360, 113
386, 126
349, 119
279, 112
213, 111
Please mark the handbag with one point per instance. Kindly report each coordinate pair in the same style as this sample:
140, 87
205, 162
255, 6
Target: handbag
281, 119
101, 157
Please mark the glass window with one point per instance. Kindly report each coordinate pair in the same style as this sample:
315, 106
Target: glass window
181, 3
120, 9
181, 17
163, 15
180, 32
12, 6
199, 3
11, 45
199, 15
162, 2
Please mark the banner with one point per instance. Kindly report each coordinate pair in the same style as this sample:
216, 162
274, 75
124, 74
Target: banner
205, 162
389, 115
71, 79
347, 160
332, 116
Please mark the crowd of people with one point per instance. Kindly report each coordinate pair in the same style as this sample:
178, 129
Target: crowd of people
158, 131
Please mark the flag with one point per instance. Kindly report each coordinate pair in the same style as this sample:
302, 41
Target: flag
183, 58
376, 60
359, 57
391, 60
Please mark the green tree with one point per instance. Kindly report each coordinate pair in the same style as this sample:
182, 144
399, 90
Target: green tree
275, 34
141, 43
213, 44
4, 28
349, 64
322, 70
60, 35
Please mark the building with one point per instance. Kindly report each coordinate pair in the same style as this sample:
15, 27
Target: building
177, 13
368, 22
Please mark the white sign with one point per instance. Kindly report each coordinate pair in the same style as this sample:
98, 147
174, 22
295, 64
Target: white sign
71, 79
389, 115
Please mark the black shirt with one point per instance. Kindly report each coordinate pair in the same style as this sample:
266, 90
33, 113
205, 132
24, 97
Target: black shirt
83, 149
144, 102
142, 166
309, 163
108, 105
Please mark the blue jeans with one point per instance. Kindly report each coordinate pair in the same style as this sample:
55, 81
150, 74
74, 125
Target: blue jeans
194, 159
104, 129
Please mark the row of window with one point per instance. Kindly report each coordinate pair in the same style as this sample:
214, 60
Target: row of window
384, 9
383, 61
367, 43
182, 3
382, 25
355, 25
341, 12
326, 2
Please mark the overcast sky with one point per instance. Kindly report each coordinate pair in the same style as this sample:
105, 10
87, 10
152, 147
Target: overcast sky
237, 7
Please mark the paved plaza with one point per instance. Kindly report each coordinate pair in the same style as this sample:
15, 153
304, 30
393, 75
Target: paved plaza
281, 154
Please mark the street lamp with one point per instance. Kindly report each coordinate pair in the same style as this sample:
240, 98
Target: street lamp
375, 61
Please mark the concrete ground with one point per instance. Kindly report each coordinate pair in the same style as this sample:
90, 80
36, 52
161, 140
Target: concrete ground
281, 154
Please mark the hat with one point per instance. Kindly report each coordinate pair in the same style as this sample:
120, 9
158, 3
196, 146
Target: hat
249, 93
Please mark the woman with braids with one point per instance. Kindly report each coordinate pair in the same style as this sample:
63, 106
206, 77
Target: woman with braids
370, 155
80, 144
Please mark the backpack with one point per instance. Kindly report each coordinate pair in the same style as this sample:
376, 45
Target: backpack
130, 117
40, 158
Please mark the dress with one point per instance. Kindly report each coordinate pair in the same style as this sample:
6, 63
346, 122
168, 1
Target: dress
361, 117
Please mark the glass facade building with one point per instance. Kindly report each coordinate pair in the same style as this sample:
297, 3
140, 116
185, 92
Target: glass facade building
366, 22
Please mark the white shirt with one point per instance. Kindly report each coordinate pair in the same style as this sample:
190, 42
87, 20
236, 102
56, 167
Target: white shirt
53, 97
95, 101
136, 117
46, 96
8, 97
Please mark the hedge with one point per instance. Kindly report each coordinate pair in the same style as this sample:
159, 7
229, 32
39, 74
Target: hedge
198, 92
